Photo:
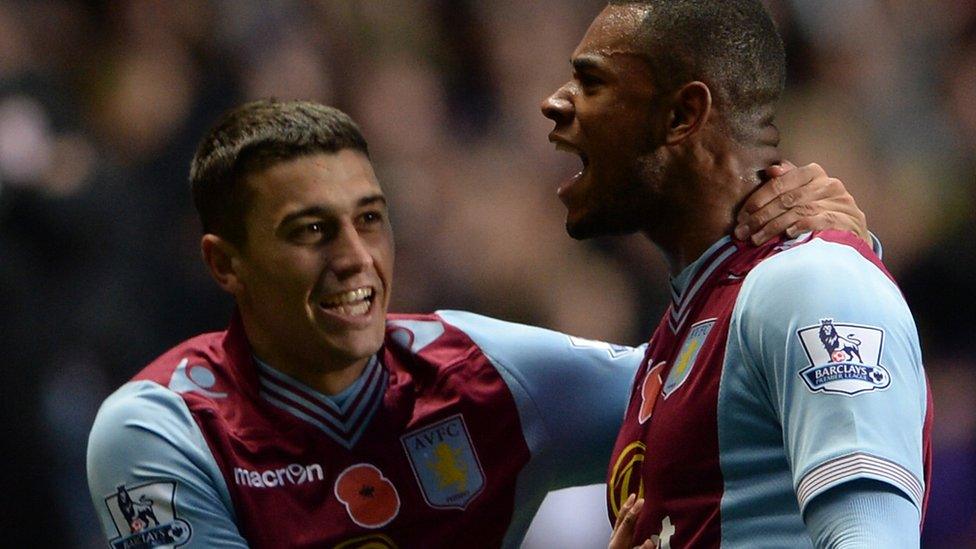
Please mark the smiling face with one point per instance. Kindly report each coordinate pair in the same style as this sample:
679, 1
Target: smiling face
606, 114
313, 278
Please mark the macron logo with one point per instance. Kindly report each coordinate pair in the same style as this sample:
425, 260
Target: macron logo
272, 478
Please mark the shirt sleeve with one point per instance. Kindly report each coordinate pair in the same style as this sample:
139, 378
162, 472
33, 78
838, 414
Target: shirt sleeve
863, 515
833, 341
571, 392
152, 477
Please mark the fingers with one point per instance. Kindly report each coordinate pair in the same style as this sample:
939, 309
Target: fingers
777, 170
809, 200
624, 510
782, 182
822, 204
783, 223
797, 200
831, 220
623, 529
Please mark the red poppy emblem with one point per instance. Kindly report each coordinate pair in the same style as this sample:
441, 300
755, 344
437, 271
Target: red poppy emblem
650, 390
370, 498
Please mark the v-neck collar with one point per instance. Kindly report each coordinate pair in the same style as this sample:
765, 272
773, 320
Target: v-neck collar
342, 417
689, 281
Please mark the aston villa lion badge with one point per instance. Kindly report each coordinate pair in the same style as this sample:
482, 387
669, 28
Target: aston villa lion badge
445, 463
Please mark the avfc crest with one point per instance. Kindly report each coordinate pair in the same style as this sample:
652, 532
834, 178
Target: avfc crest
687, 356
445, 464
145, 516
844, 358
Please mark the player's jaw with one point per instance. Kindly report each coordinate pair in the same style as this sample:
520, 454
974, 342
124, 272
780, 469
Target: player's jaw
572, 190
587, 194
563, 144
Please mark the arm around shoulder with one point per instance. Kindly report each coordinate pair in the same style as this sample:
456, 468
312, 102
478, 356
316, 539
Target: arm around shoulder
571, 392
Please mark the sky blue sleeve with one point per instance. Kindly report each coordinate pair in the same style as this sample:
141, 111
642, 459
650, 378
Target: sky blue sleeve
837, 350
571, 392
863, 514
151, 473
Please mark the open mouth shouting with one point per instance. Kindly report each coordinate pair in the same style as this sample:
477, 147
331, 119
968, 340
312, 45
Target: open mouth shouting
350, 304
565, 146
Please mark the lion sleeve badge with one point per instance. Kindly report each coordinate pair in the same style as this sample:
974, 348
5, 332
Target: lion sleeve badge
845, 359
145, 516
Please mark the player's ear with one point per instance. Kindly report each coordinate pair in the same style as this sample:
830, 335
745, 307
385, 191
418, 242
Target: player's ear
690, 108
223, 262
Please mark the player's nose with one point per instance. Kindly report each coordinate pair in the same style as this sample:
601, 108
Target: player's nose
558, 107
350, 254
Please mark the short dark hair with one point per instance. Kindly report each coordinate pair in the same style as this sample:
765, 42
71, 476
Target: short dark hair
251, 138
731, 45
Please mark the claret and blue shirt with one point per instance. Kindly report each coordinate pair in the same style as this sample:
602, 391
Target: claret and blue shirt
781, 402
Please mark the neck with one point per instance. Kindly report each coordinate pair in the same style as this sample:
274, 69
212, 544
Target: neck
711, 187
319, 370
327, 381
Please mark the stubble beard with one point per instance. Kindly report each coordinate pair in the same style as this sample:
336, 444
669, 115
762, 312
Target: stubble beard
631, 207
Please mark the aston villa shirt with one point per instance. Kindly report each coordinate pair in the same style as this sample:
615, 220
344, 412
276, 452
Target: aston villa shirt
452, 436
777, 374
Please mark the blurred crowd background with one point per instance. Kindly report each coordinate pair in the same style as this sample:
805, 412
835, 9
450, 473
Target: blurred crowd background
101, 104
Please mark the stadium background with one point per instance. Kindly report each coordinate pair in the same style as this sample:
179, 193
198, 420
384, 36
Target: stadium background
101, 104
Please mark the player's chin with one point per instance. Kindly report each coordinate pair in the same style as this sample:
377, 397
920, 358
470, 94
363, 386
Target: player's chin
578, 231
357, 347
356, 344
586, 226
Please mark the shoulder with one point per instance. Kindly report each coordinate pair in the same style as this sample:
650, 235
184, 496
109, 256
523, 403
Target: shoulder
432, 326
143, 406
145, 431
142, 426
817, 282
462, 329
206, 347
818, 269
146, 447
517, 344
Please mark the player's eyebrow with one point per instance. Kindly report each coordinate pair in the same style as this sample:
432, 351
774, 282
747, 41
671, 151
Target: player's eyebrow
311, 211
321, 211
585, 63
372, 199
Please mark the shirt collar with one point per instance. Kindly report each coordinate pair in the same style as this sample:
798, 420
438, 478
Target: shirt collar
344, 416
689, 281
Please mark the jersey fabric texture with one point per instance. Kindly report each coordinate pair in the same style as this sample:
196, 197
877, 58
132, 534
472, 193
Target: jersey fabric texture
452, 436
778, 373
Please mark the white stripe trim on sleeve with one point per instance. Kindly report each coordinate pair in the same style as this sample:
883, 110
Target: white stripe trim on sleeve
857, 465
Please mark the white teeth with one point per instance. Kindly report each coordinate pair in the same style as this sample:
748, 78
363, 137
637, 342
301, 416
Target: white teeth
358, 309
350, 297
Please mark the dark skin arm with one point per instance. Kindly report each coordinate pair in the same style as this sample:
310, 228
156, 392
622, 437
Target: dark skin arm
797, 200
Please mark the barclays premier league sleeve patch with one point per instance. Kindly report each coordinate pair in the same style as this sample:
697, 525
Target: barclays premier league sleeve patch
145, 516
844, 358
